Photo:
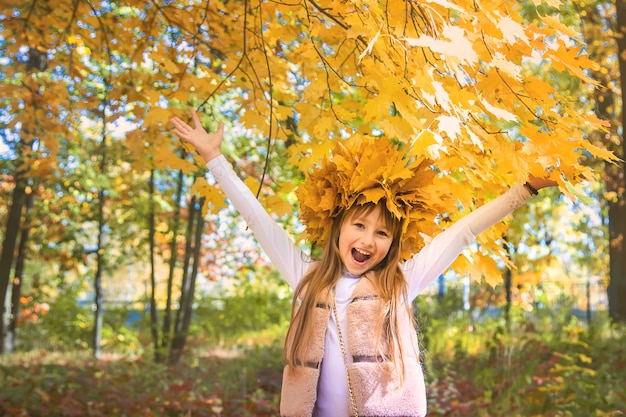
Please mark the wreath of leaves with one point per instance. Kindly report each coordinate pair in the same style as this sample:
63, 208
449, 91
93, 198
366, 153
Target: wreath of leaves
363, 170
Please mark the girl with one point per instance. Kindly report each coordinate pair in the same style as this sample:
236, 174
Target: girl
351, 347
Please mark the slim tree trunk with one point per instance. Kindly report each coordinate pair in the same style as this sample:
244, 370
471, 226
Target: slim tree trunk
183, 318
178, 339
19, 277
7, 257
154, 318
508, 287
616, 290
37, 62
167, 319
195, 267
100, 250
97, 282
508, 284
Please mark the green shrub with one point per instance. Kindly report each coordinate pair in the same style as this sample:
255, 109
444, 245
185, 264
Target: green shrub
543, 363
251, 307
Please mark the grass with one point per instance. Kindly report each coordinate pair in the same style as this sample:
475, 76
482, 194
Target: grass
538, 365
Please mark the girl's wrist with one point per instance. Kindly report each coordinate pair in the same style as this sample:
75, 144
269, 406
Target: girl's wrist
530, 188
208, 157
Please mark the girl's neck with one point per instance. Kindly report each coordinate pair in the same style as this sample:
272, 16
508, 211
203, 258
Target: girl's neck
349, 274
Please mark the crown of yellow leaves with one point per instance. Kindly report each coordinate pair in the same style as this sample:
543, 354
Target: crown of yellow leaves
363, 170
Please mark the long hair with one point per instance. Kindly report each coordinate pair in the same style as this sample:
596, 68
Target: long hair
387, 277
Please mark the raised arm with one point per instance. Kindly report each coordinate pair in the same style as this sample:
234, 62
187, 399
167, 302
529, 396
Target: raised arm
276, 243
436, 257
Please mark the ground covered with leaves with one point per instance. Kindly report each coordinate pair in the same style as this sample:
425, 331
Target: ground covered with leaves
474, 367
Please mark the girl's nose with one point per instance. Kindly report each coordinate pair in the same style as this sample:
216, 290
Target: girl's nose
368, 239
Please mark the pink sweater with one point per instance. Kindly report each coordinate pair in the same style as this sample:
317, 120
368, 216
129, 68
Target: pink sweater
421, 270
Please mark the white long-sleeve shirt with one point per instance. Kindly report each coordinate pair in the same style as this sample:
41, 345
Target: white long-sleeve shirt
420, 270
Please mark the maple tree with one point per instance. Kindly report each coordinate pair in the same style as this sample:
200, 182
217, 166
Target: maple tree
454, 80
450, 79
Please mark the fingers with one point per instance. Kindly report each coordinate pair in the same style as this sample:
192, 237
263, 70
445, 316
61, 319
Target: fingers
195, 119
181, 129
180, 134
179, 124
185, 132
220, 130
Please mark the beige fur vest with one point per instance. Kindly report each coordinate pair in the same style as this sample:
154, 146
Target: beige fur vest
375, 382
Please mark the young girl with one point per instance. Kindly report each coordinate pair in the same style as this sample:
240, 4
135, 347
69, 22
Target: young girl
351, 348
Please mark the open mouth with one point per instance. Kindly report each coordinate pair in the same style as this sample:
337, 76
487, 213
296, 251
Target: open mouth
359, 255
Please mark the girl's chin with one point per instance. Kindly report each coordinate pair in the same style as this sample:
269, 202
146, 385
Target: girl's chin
357, 269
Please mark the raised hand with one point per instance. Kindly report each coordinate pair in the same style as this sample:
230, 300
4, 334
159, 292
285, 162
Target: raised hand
207, 144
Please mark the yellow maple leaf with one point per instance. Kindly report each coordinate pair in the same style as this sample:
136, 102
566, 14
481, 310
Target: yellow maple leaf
157, 116
554, 22
214, 198
602, 153
254, 119
277, 205
153, 96
569, 59
253, 184
164, 157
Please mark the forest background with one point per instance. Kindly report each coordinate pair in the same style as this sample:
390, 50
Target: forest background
130, 287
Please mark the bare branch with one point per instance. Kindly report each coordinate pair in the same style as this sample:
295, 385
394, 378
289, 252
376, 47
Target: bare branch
328, 15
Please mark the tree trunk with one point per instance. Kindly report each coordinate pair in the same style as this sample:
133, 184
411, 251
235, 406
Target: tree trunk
7, 256
97, 282
37, 62
167, 319
16, 292
195, 267
616, 290
508, 286
100, 250
178, 340
154, 318
186, 304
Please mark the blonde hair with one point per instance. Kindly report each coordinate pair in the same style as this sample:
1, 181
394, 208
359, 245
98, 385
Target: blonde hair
387, 277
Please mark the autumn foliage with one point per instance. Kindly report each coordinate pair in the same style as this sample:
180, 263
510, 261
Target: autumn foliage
483, 89
465, 83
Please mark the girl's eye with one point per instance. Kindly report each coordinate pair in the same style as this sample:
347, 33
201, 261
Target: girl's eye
383, 233
359, 225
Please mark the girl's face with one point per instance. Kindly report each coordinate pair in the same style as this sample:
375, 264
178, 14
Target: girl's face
364, 240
